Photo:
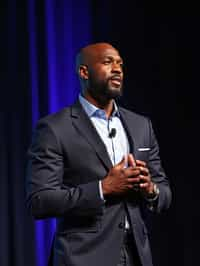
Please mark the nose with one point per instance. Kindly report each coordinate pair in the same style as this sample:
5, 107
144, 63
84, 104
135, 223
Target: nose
117, 68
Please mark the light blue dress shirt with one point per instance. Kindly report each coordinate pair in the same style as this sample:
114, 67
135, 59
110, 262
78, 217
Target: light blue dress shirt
117, 146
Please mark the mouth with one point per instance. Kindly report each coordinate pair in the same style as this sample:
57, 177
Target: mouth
116, 80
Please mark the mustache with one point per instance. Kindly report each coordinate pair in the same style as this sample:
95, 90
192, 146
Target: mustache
116, 77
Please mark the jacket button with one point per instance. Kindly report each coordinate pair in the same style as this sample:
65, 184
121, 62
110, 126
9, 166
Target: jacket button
121, 225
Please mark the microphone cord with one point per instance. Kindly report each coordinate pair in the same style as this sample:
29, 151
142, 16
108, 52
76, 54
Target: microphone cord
110, 135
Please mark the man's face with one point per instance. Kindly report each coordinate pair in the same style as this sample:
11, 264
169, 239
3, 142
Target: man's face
105, 74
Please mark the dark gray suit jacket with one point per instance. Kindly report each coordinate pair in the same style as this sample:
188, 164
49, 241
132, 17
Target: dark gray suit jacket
67, 159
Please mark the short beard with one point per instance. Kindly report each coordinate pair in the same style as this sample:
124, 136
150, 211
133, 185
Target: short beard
103, 93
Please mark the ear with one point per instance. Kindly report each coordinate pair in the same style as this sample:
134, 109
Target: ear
83, 71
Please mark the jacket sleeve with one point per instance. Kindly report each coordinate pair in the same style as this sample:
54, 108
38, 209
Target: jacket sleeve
46, 194
158, 175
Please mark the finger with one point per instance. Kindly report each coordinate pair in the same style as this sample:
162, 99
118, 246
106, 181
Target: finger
140, 163
144, 170
122, 163
132, 172
131, 160
131, 186
144, 185
145, 179
133, 180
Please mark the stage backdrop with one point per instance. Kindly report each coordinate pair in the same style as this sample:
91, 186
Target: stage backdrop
160, 46
42, 39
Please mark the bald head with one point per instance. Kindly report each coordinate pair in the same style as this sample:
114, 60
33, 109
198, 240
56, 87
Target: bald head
100, 71
91, 51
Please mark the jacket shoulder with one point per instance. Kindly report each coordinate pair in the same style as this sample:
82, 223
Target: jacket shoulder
134, 115
55, 119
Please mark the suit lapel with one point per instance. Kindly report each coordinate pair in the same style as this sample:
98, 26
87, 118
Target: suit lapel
85, 127
129, 132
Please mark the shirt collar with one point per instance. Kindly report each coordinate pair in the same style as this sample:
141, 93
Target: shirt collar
92, 110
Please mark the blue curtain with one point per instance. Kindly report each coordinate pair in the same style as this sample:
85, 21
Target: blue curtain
64, 28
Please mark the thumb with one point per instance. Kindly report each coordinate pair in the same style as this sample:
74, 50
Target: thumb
131, 160
122, 163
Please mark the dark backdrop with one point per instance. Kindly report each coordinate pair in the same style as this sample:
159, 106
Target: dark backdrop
160, 46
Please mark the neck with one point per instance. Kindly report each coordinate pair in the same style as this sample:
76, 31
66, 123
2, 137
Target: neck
106, 105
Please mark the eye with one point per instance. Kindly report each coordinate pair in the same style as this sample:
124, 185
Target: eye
106, 62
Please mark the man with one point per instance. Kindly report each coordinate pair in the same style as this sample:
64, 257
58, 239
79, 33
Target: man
95, 167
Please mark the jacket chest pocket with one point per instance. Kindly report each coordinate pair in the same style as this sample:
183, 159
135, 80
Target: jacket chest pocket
142, 154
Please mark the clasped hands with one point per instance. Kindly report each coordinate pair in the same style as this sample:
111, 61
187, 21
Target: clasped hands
127, 175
